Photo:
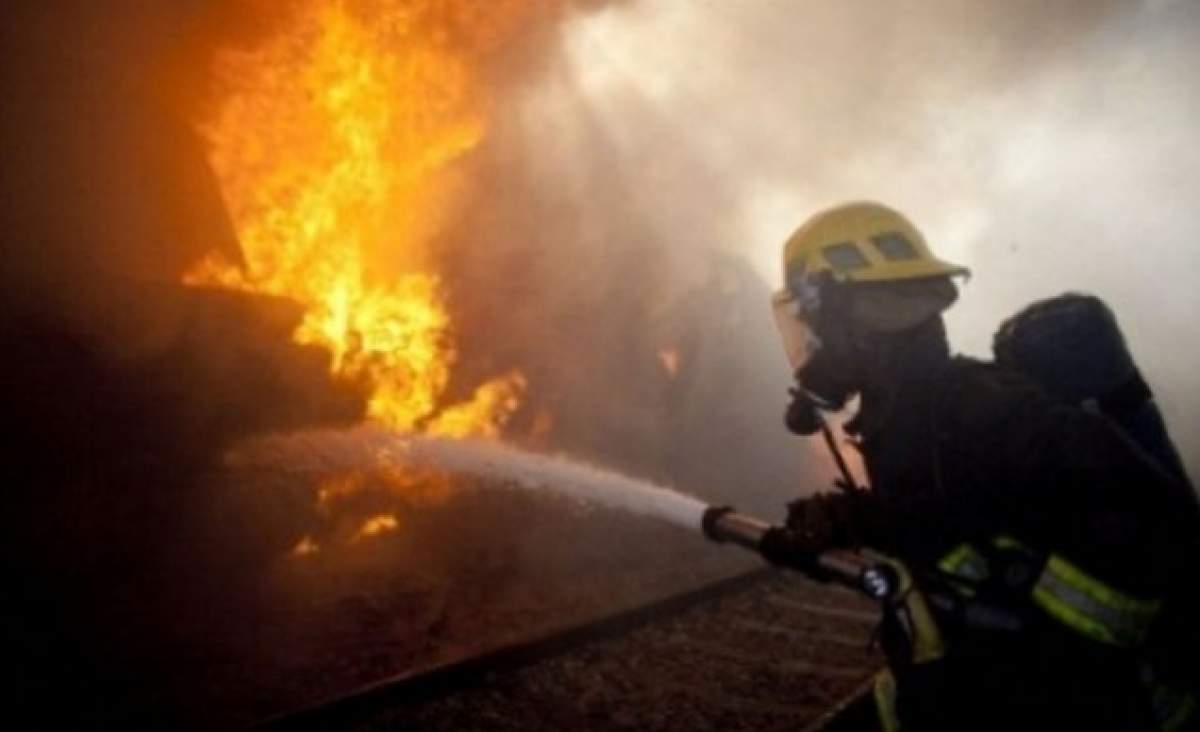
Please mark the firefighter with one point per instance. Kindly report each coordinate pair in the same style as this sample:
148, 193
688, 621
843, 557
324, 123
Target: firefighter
1042, 540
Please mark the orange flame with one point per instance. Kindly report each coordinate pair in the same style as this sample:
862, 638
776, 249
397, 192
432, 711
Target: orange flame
335, 150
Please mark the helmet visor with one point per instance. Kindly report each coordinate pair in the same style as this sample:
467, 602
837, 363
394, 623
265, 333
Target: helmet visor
800, 343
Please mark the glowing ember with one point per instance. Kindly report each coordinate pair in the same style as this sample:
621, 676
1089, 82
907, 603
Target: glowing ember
669, 359
377, 525
335, 150
334, 489
305, 547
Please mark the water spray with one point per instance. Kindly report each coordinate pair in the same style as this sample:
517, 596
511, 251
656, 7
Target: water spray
366, 447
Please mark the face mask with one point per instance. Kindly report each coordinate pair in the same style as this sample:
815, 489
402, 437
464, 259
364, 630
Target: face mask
800, 343
791, 310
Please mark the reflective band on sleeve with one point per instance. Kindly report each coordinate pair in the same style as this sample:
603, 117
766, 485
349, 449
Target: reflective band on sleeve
1008, 543
1091, 607
965, 562
966, 565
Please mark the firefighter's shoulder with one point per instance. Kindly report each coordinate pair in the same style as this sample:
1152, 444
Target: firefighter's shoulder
982, 396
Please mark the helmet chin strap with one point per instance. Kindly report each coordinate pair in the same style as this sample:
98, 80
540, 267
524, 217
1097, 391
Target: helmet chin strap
805, 417
846, 482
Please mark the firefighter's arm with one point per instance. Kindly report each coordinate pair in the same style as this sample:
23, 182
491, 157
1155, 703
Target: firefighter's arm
1119, 532
1070, 482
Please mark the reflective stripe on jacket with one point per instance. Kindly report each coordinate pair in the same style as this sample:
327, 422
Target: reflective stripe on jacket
1066, 593
1090, 607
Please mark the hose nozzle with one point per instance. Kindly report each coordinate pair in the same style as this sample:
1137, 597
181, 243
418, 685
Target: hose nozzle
786, 548
723, 524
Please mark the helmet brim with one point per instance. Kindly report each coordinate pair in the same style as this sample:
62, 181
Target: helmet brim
909, 270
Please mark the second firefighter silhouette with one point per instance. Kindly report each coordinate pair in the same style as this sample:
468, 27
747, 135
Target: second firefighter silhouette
1010, 499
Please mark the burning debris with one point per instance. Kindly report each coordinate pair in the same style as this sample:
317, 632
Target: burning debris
335, 147
346, 229
344, 148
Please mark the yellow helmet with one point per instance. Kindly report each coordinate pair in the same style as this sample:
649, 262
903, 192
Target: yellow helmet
861, 242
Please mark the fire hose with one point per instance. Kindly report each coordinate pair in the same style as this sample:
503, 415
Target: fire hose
871, 574
880, 578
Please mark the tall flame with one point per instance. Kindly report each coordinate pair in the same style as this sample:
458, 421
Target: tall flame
335, 150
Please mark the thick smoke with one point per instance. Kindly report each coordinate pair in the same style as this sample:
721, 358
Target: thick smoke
1049, 148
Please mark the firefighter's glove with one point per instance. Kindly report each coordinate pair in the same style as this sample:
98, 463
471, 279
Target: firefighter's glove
826, 520
793, 550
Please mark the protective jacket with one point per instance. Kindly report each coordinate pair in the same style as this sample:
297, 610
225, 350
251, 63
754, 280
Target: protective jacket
1041, 510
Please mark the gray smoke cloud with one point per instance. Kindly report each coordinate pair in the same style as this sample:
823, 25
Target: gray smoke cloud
1047, 147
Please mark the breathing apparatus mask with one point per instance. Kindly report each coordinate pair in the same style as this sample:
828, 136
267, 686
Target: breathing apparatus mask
855, 274
797, 310
794, 309
828, 329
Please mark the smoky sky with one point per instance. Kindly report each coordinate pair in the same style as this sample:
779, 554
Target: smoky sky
1048, 147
